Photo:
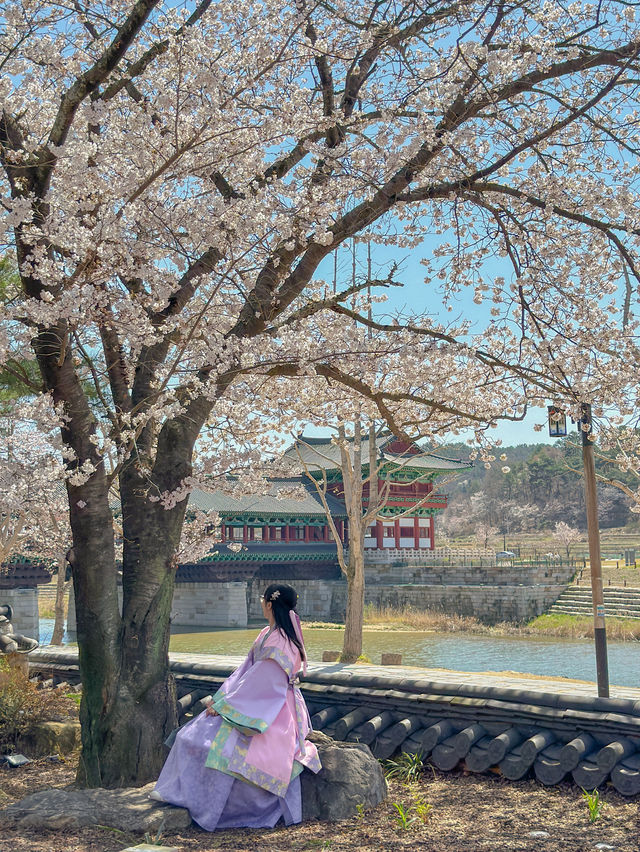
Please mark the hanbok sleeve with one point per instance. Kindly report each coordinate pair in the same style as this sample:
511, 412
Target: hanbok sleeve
253, 701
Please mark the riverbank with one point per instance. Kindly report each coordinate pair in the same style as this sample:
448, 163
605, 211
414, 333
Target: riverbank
553, 625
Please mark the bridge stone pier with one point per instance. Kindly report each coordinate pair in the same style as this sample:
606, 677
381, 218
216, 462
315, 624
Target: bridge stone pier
203, 605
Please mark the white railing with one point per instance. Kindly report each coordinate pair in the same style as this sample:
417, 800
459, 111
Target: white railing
411, 555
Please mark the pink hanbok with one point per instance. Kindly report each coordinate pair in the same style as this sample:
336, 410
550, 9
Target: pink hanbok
241, 767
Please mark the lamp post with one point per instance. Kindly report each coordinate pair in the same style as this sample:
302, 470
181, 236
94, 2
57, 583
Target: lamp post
558, 429
595, 561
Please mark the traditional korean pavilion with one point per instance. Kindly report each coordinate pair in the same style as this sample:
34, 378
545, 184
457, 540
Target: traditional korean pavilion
410, 473
272, 522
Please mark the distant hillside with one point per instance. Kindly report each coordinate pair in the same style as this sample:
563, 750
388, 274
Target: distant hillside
543, 485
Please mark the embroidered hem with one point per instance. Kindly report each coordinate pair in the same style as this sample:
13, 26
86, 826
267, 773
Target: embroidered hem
247, 724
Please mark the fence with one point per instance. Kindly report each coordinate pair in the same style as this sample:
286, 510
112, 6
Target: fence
413, 557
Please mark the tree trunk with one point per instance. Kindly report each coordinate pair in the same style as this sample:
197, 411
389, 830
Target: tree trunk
352, 646
61, 588
141, 709
129, 702
98, 621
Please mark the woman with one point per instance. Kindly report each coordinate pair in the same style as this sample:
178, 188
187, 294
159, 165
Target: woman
237, 763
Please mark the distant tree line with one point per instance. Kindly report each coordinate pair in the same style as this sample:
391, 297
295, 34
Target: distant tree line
542, 486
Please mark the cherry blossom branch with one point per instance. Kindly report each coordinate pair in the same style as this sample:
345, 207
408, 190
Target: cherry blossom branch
100, 70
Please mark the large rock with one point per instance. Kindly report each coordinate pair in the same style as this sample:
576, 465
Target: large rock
51, 738
127, 810
350, 777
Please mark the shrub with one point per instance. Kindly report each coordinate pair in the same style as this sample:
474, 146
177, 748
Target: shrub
22, 706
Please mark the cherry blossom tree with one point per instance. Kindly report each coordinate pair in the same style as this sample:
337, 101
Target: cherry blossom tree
34, 512
174, 176
566, 536
366, 491
485, 534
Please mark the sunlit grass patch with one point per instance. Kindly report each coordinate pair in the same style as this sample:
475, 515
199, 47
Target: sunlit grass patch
581, 626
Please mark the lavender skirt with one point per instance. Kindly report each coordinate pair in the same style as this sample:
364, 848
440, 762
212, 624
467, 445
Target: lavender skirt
216, 800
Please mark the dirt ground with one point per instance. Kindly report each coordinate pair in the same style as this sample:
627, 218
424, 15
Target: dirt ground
469, 813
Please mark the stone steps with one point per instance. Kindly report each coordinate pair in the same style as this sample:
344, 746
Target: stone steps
587, 612
618, 602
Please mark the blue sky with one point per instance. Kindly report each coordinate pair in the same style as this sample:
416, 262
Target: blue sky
420, 297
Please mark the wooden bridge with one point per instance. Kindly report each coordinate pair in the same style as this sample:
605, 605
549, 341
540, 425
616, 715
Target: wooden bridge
553, 729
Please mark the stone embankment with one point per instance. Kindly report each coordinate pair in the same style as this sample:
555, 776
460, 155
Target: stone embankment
489, 592
619, 602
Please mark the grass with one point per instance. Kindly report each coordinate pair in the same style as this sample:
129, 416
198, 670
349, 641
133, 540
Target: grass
552, 624
594, 804
46, 610
47, 600
613, 540
581, 626
406, 768
414, 619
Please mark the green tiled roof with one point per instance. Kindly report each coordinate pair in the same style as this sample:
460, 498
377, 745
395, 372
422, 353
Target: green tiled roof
221, 554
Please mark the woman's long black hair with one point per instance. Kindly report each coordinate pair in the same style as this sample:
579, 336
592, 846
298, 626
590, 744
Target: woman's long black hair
282, 603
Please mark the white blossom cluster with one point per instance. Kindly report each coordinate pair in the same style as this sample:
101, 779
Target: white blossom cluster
174, 177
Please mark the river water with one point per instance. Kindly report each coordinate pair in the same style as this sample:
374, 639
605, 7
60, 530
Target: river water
552, 657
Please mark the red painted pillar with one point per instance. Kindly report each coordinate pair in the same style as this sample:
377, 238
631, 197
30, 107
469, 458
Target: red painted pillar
379, 535
286, 533
396, 530
245, 533
416, 532
432, 533
325, 533
306, 532
265, 533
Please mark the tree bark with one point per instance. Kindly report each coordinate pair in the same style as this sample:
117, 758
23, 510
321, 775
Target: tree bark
352, 645
61, 588
129, 701
142, 709
352, 479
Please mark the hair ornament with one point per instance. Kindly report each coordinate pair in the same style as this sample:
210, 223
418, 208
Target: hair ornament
275, 595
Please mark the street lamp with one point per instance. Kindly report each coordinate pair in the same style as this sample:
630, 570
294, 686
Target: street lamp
557, 421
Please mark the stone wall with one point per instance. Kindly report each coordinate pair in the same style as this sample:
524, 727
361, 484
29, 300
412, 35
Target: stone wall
459, 574
327, 600
24, 603
197, 605
318, 600
209, 605
489, 604
489, 593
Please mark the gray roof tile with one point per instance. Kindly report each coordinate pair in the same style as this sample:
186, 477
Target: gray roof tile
267, 504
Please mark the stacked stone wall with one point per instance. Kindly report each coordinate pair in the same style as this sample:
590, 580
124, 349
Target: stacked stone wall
459, 574
318, 600
326, 601
489, 593
209, 605
489, 604
197, 605
24, 603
